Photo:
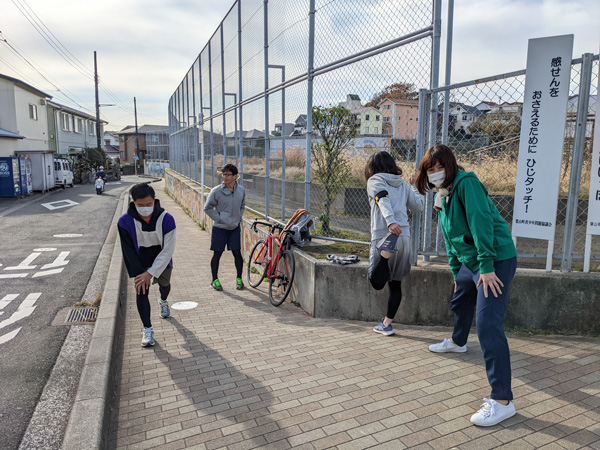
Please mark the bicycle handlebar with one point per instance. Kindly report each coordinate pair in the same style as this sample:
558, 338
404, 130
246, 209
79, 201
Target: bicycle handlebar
272, 226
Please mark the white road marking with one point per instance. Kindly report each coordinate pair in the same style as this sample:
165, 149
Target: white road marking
8, 336
47, 272
7, 299
58, 262
24, 265
13, 275
59, 204
66, 236
45, 249
25, 309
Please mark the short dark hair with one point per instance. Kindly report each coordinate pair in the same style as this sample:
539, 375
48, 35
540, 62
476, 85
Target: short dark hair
230, 168
142, 190
445, 157
381, 162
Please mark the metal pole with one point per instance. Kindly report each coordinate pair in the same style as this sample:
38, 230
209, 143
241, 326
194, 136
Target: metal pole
241, 144
435, 69
223, 98
424, 99
267, 142
98, 137
448, 71
195, 120
309, 103
283, 145
577, 160
137, 141
212, 151
187, 122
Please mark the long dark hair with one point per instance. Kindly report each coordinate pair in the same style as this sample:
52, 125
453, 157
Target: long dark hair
381, 162
445, 157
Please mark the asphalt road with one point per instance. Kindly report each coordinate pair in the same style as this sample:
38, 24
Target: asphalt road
47, 255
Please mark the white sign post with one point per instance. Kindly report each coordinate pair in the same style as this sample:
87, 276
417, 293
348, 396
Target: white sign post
542, 135
593, 218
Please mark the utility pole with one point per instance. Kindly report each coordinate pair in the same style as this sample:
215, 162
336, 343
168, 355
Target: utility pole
137, 141
98, 137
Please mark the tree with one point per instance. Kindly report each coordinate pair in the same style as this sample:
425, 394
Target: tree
337, 131
87, 162
497, 126
397, 91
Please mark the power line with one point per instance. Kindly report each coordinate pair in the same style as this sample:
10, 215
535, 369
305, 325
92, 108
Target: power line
49, 37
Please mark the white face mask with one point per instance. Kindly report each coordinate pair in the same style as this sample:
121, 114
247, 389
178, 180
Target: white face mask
437, 178
145, 211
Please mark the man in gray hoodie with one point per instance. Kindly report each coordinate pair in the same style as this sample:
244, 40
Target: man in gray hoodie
225, 206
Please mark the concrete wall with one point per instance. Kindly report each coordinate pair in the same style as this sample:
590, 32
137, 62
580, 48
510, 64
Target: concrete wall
566, 303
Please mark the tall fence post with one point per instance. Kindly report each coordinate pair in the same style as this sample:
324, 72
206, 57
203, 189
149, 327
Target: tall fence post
585, 82
241, 140
267, 141
309, 103
223, 97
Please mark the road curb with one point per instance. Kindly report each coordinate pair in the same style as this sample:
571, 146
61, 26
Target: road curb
88, 422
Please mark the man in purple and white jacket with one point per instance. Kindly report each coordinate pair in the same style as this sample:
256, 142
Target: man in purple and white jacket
147, 234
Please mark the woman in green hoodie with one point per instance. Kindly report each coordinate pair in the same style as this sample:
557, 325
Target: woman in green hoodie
483, 259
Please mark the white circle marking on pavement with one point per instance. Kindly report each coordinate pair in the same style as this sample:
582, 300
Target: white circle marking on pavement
67, 235
46, 249
184, 305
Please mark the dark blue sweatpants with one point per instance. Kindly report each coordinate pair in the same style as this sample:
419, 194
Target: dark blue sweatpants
469, 299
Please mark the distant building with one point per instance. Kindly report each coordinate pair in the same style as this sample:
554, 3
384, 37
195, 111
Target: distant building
127, 141
485, 107
368, 120
400, 117
283, 129
352, 102
71, 131
110, 141
464, 115
300, 125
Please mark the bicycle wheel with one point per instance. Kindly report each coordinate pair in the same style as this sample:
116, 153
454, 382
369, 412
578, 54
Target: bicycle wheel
257, 263
281, 285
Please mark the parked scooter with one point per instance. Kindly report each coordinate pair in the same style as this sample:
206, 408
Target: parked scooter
99, 186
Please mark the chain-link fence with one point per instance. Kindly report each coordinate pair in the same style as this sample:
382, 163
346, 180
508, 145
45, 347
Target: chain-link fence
251, 96
481, 122
266, 67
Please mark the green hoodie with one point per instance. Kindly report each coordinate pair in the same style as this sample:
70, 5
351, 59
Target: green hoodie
475, 233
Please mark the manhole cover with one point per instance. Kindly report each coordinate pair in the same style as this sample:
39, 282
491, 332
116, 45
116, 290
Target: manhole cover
184, 305
87, 314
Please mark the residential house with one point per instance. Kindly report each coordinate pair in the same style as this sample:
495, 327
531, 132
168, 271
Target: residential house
132, 144
23, 118
485, 107
111, 144
464, 115
368, 120
283, 129
508, 109
400, 117
71, 131
300, 125
352, 102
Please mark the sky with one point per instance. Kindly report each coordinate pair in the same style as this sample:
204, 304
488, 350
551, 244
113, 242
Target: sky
145, 48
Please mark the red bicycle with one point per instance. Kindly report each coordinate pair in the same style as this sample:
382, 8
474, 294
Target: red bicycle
278, 268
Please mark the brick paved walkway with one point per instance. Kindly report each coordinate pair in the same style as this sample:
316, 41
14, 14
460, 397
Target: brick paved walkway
238, 373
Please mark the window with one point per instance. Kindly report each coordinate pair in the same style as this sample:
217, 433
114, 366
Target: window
377, 118
367, 117
465, 117
66, 121
375, 130
78, 124
386, 119
122, 155
92, 128
387, 106
33, 112
398, 131
399, 118
366, 130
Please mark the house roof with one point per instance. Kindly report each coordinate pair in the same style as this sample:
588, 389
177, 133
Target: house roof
468, 108
10, 134
363, 109
400, 101
73, 111
353, 97
111, 149
144, 129
26, 86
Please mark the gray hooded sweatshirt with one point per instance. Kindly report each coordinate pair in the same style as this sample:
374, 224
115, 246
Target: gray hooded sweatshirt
392, 208
224, 207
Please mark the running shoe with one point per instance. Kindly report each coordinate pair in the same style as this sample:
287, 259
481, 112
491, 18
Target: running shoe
388, 243
239, 284
216, 285
492, 413
148, 337
382, 329
164, 308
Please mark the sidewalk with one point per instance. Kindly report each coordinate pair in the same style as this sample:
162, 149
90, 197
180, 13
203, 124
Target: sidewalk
238, 373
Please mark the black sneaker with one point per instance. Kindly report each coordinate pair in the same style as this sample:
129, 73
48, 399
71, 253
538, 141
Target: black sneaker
388, 243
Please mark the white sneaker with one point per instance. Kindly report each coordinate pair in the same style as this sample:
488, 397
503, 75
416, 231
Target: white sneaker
447, 346
164, 308
148, 337
492, 413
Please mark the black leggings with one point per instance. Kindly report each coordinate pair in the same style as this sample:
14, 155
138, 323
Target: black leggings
143, 304
379, 277
237, 257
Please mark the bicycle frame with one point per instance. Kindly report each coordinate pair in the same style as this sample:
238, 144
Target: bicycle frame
272, 266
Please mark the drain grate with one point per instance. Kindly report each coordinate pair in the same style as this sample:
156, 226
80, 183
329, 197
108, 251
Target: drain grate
87, 314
